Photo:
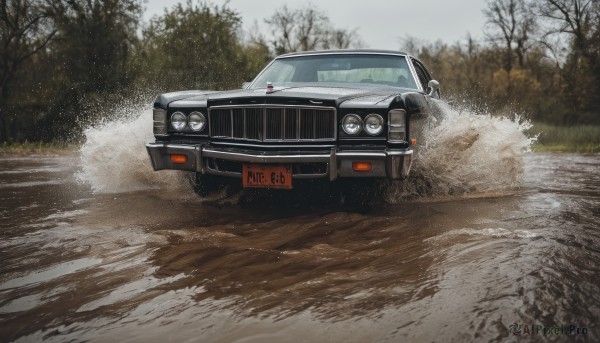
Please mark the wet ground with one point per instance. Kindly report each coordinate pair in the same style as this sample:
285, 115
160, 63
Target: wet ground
155, 265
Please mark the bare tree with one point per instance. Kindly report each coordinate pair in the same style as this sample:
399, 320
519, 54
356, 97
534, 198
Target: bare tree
282, 22
411, 45
513, 23
311, 28
576, 23
343, 39
573, 17
307, 29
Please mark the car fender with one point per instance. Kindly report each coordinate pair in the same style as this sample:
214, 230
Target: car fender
416, 105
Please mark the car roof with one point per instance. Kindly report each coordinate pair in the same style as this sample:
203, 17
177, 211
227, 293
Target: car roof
344, 51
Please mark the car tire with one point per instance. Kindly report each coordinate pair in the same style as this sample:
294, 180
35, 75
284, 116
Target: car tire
359, 194
205, 185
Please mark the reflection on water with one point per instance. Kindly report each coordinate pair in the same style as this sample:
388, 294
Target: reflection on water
155, 264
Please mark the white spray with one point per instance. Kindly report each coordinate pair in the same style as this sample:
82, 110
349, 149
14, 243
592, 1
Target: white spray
114, 157
465, 153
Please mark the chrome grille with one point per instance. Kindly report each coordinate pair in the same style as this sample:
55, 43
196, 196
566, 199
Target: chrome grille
273, 123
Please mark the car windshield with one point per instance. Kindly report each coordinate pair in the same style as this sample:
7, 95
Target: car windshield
335, 69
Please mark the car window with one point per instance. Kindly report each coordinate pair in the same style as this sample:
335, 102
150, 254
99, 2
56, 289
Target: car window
281, 72
388, 70
422, 75
374, 75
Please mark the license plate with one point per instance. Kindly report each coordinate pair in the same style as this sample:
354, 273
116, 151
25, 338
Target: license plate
267, 176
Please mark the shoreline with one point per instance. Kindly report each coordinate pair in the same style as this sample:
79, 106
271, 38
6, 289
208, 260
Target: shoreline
37, 148
566, 149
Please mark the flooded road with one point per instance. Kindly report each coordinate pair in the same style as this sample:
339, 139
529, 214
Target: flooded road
155, 264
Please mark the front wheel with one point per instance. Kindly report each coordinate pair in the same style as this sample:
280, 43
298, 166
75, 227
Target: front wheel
205, 185
359, 194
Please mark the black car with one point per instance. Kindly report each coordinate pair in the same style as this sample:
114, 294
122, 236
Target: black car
328, 114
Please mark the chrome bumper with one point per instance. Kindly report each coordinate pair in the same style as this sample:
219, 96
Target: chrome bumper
392, 164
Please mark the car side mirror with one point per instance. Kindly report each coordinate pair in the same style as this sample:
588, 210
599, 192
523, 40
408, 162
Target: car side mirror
434, 86
245, 85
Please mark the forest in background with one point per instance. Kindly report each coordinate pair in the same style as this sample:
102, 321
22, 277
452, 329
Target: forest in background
68, 64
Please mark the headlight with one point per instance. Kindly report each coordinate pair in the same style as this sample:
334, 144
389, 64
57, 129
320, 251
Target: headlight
197, 121
160, 121
397, 125
373, 124
352, 124
178, 121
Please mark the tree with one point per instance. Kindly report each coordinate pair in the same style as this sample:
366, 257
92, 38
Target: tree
512, 23
578, 21
342, 39
87, 61
574, 17
94, 41
197, 46
306, 29
25, 30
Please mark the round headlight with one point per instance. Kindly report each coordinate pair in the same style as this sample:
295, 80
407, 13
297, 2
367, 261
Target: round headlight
178, 121
373, 124
352, 124
197, 121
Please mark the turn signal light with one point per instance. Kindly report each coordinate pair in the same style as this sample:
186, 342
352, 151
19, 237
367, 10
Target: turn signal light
178, 158
413, 141
361, 166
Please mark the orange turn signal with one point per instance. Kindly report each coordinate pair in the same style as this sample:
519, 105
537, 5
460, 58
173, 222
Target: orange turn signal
178, 158
413, 141
361, 166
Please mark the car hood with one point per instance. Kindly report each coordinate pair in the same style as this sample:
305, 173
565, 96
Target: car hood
338, 96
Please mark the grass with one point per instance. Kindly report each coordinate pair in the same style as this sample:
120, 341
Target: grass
35, 148
553, 138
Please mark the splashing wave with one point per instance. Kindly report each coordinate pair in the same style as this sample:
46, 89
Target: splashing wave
465, 153
114, 157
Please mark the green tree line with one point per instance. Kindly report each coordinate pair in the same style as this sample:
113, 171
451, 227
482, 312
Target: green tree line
66, 64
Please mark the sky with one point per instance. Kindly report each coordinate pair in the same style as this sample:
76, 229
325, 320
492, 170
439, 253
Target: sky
381, 24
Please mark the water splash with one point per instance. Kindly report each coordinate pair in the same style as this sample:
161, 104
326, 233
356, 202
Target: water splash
466, 153
114, 157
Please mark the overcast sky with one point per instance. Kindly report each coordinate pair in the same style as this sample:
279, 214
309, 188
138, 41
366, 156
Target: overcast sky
381, 23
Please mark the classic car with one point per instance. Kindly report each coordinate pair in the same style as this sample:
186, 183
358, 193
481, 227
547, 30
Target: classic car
337, 114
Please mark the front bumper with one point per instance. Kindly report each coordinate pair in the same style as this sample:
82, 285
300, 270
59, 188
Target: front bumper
391, 164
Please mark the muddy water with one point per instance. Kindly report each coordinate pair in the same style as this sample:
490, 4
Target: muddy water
155, 264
